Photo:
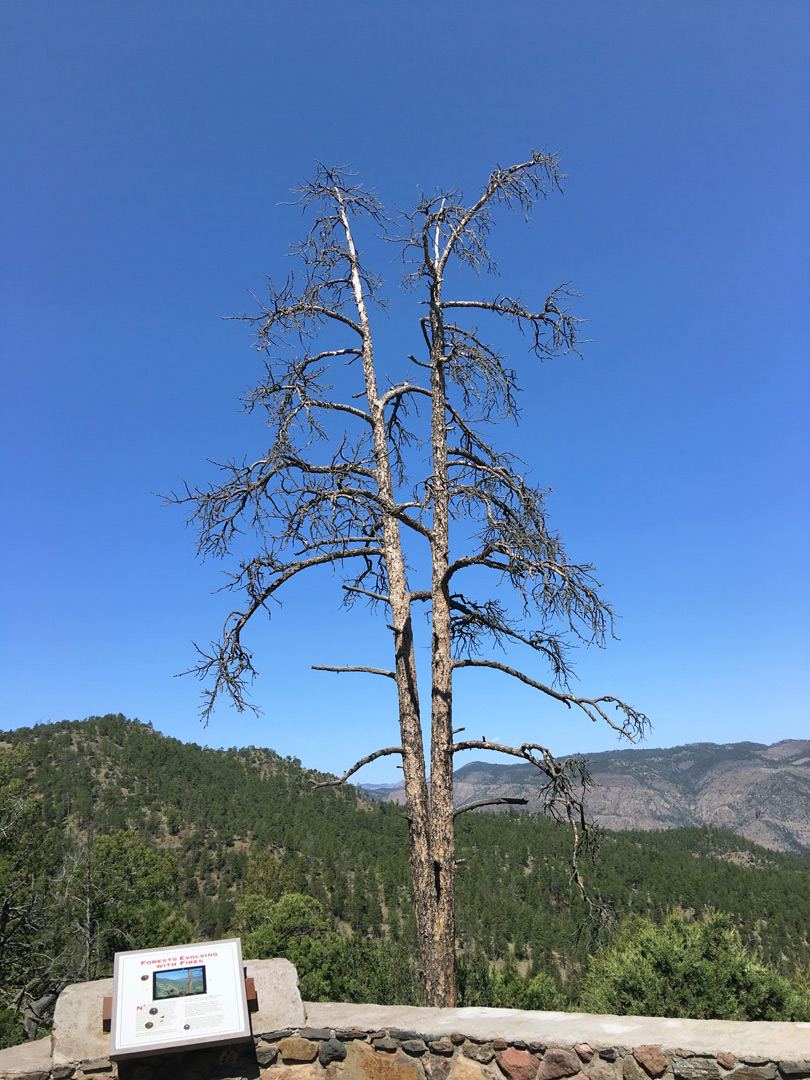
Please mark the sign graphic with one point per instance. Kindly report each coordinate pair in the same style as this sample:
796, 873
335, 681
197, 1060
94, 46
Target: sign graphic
178, 998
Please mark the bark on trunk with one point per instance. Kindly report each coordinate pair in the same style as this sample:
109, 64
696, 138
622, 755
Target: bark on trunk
426, 883
439, 983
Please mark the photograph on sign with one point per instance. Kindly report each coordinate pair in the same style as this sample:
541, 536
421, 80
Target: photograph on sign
178, 998
180, 982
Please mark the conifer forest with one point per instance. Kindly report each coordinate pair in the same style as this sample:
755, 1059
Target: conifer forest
115, 837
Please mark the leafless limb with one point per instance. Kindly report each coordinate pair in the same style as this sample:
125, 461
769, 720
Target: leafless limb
366, 592
562, 798
553, 329
16, 808
366, 670
358, 765
632, 727
505, 801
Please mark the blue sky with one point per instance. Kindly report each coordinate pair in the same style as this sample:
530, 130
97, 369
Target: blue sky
147, 149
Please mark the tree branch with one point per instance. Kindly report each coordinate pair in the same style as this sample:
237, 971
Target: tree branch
489, 802
635, 722
358, 765
366, 592
403, 388
366, 670
555, 318
517, 186
560, 799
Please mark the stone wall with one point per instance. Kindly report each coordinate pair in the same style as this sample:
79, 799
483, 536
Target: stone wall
318, 1041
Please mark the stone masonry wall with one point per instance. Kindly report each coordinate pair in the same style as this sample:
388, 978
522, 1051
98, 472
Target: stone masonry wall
321, 1041
395, 1054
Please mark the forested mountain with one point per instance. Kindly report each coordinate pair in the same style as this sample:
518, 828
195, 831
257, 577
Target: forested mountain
112, 834
761, 792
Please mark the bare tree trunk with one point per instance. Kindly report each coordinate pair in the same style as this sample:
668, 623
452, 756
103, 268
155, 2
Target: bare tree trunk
36, 1011
413, 757
399, 598
87, 929
439, 982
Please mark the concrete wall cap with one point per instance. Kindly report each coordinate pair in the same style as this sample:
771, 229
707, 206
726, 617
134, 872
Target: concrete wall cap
29, 1057
774, 1041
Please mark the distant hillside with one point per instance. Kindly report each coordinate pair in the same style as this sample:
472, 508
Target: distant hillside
213, 809
760, 792
133, 834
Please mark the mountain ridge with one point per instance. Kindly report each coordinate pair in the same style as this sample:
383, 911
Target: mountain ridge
757, 790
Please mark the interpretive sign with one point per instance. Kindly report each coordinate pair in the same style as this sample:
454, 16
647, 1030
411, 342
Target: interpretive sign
178, 998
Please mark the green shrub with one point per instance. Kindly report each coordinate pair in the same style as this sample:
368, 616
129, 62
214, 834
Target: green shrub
686, 969
11, 1030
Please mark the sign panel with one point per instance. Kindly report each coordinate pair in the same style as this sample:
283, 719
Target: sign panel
178, 998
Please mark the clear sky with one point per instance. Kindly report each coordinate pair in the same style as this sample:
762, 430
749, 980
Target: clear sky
147, 147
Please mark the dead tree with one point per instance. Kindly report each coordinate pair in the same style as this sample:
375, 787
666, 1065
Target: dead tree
344, 485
